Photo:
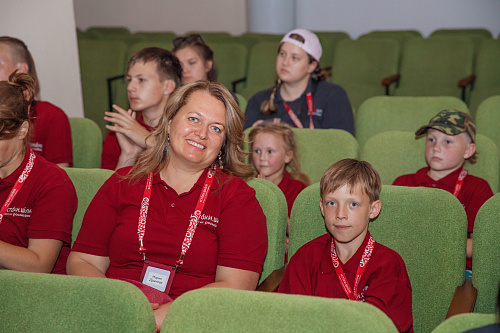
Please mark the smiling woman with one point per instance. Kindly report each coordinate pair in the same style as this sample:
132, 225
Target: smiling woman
182, 217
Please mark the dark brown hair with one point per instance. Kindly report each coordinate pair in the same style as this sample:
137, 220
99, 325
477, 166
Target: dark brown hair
16, 96
20, 53
168, 66
196, 42
357, 175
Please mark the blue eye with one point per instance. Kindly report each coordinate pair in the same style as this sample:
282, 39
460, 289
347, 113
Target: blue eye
448, 142
354, 204
257, 151
330, 203
216, 129
193, 119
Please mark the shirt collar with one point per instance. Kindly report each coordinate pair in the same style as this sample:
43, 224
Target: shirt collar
449, 181
12, 178
350, 266
278, 98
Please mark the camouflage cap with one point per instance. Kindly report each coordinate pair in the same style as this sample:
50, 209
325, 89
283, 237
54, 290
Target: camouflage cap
450, 122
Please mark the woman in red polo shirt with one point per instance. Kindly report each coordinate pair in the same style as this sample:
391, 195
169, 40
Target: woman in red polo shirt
38, 199
182, 217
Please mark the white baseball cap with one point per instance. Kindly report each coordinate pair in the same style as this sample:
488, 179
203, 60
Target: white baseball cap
311, 44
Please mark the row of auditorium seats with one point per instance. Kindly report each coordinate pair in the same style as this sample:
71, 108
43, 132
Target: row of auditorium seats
434, 254
426, 66
384, 137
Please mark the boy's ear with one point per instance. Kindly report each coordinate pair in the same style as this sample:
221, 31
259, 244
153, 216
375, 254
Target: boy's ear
168, 86
470, 150
375, 209
23, 67
321, 207
288, 156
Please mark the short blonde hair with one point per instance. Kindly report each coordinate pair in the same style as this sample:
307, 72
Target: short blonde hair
353, 173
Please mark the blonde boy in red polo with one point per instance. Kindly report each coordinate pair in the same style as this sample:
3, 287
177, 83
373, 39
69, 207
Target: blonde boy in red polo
350, 192
451, 140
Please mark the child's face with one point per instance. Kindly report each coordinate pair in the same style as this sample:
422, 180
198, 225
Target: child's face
446, 153
269, 156
145, 91
194, 68
347, 214
292, 64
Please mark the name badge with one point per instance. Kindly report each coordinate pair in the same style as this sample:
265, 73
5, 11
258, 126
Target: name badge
158, 276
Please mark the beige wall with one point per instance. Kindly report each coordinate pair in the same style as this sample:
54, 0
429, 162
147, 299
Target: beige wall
48, 29
179, 16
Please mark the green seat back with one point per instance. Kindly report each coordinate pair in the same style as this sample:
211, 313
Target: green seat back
360, 65
99, 60
228, 310
464, 322
153, 36
488, 118
112, 32
87, 143
35, 302
486, 255
274, 205
434, 253
485, 33
488, 73
329, 41
433, 66
261, 70
87, 182
389, 113
242, 102
396, 153
318, 149
230, 60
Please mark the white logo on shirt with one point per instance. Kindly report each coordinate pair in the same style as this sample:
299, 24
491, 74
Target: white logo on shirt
318, 112
16, 211
209, 220
36, 146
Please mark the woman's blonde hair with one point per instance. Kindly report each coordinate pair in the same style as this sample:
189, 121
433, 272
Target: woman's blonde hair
154, 159
285, 133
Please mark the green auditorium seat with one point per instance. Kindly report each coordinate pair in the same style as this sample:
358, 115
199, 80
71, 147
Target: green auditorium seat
488, 73
485, 33
464, 322
434, 253
87, 143
395, 153
360, 65
261, 69
242, 102
488, 118
486, 255
318, 149
329, 41
439, 66
99, 60
87, 182
228, 310
274, 205
389, 113
36, 302
230, 60
153, 36
109, 32
398, 34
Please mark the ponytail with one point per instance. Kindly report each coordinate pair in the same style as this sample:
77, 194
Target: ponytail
267, 107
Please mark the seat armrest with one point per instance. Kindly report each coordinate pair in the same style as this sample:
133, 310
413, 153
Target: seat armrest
236, 82
463, 300
464, 83
272, 282
386, 82
110, 92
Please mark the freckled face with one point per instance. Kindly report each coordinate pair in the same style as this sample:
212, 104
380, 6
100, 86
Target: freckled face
197, 131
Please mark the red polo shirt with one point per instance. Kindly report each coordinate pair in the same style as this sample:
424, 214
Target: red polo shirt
111, 148
475, 191
231, 232
43, 208
291, 188
51, 135
385, 282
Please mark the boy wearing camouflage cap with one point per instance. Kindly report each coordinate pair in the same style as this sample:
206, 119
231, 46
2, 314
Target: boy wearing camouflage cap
451, 140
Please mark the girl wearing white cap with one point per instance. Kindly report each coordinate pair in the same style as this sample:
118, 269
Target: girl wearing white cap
301, 97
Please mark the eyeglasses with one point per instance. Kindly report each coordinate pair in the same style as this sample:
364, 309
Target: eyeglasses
190, 39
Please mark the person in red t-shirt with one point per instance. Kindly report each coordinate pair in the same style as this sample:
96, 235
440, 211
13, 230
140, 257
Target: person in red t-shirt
451, 141
51, 134
182, 217
330, 265
152, 74
274, 150
38, 198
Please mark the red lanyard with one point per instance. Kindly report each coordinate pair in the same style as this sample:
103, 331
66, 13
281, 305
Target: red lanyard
460, 181
352, 294
193, 221
294, 117
17, 186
